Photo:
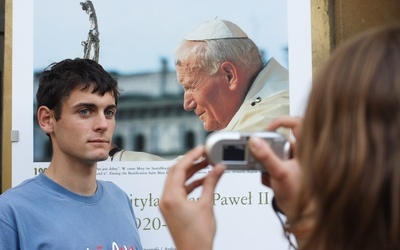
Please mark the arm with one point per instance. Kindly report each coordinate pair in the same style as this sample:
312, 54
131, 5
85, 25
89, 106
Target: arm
192, 224
8, 236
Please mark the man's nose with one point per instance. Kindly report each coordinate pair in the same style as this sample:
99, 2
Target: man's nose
101, 123
189, 103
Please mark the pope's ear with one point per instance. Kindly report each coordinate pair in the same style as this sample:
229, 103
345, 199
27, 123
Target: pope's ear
45, 119
231, 74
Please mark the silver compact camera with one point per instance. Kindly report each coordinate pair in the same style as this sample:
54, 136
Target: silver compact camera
231, 148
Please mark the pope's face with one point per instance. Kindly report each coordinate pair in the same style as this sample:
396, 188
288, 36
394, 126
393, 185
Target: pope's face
85, 129
207, 96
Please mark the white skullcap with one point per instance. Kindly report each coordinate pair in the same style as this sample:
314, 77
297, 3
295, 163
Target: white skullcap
215, 29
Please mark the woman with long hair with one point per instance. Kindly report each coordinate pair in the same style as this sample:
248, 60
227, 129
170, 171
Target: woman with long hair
341, 189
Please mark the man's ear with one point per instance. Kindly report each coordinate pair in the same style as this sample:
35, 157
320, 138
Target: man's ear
45, 119
230, 71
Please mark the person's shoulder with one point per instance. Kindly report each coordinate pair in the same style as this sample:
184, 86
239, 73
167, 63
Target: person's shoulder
110, 187
112, 192
20, 188
108, 184
18, 193
275, 68
272, 62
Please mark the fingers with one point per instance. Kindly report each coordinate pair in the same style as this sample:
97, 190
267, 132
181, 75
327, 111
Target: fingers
185, 168
193, 185
294, 123
174, 187
196, 167
210, 182
263, 153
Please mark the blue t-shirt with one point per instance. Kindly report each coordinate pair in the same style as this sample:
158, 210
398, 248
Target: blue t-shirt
40, 214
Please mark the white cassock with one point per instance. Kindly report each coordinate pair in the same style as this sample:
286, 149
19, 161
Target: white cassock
267, 99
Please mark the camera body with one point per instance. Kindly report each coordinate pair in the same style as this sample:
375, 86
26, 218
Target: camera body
231, 148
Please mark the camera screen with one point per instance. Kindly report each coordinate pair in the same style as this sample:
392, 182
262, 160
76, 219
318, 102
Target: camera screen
233, 152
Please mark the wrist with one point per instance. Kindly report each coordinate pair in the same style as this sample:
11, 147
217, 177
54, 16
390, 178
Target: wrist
193, 241
190, 246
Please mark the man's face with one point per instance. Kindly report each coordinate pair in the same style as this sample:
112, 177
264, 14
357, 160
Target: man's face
85, 129
207, 96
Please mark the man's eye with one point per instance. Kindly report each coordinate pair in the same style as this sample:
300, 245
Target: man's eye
84, 111
109, 113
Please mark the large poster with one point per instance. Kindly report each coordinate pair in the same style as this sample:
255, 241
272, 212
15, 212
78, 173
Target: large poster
137, 42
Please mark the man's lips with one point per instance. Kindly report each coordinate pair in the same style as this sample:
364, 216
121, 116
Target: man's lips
99, 141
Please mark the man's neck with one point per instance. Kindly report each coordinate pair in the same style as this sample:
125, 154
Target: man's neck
80, 179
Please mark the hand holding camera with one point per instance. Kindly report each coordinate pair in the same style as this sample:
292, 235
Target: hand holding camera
231, 148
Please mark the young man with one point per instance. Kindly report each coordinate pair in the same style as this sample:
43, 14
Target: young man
66, 207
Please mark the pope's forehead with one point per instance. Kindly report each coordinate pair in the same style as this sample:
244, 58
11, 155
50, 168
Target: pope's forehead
188, 68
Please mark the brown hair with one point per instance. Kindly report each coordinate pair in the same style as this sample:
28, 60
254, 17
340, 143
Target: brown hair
350, 146
59, 79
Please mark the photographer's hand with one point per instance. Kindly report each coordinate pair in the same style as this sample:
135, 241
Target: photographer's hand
192, 224
282, 176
